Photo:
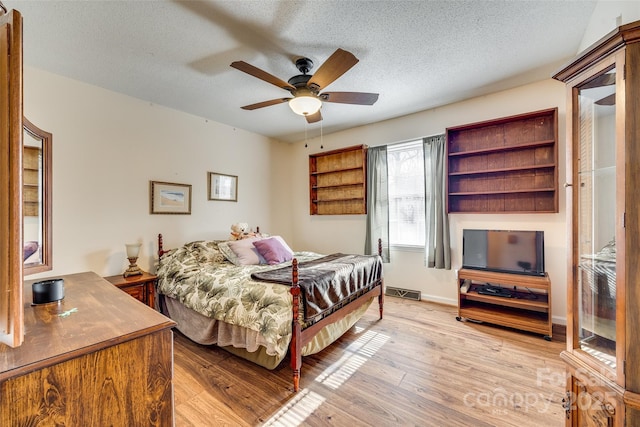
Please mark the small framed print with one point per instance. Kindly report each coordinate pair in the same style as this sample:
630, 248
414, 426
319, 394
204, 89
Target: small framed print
169, 198
222, 187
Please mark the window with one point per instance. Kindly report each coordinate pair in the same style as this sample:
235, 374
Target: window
406, 200
406, 194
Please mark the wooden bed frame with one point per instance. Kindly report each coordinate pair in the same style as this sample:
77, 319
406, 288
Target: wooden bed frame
302, 336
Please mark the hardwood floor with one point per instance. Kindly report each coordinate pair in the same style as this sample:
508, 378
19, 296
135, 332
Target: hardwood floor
417, 366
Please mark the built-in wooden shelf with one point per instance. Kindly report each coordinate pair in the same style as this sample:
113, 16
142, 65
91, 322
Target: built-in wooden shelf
31, 181
337, 181
336, 200
337, 171
517, 168
506, 165
360, 184
503, 191
502, 148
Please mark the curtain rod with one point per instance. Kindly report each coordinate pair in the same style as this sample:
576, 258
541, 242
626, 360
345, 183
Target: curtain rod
419, 138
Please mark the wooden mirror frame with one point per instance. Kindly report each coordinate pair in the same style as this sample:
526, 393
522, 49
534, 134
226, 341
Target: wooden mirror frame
11, 132
45, 262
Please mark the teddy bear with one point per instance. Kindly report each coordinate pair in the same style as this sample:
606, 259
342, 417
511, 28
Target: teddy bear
239, 231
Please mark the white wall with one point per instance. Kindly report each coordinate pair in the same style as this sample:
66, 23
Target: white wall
106, 149
346, 233
606, 17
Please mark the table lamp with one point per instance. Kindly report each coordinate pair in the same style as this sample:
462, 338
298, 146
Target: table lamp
133, 249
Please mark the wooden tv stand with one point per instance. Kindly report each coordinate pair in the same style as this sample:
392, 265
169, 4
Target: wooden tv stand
529, 309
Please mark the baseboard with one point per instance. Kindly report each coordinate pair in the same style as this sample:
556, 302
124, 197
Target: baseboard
557, 320
440, 300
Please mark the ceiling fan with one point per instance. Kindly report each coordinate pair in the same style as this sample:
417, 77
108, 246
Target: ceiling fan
305, 88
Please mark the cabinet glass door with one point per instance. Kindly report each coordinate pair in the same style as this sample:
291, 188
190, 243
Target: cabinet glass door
596, 217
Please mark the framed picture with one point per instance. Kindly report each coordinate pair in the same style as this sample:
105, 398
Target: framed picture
169, 198
223, 187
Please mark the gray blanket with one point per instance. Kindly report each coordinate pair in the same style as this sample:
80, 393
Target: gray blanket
326, 281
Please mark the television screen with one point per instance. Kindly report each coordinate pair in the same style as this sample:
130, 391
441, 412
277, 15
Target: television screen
520, 252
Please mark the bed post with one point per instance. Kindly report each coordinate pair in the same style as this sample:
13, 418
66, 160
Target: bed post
160, 251
381, 296
295, 348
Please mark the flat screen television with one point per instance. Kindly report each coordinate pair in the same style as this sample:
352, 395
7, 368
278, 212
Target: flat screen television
504, 251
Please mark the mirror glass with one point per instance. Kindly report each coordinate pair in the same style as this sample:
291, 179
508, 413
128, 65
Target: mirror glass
36, 180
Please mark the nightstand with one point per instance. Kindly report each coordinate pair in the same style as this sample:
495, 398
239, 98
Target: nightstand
142, 287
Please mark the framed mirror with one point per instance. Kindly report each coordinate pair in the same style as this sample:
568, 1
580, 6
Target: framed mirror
36, 181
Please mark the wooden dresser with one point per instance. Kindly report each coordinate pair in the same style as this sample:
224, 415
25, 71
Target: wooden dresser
97, 357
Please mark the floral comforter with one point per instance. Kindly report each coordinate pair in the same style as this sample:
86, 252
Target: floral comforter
198, 275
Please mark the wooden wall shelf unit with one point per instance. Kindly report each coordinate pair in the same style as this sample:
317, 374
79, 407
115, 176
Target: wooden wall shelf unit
507, 165
529, 309
338, 181
31, 181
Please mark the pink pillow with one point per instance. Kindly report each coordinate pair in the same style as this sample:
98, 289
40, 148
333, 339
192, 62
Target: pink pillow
273, 251
29, 249
245, 252
281, 240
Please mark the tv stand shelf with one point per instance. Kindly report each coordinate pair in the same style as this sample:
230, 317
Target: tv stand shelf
529, 308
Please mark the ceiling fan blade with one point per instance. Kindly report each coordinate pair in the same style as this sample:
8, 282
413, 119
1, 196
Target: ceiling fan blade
262, 75
336, 65
265, 103
315, 117
607, 100
360, 98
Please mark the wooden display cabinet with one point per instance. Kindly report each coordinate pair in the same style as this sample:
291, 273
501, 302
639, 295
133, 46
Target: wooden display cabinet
603, 219
506, 165
338, 181
529, 308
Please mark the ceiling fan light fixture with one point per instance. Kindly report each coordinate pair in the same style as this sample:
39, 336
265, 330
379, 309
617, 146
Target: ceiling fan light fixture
305, 105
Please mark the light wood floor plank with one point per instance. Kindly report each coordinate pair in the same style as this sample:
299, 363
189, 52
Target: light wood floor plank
417, 366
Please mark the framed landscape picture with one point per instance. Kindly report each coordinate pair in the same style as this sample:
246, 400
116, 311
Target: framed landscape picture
169, 198
222, 187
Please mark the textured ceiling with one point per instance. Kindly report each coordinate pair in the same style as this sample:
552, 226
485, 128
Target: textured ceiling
416, 54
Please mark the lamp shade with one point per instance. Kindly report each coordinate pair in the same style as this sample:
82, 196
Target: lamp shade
133, 249
305, 104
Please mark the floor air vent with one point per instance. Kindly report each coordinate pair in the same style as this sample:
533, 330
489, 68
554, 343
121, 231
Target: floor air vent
403, 293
